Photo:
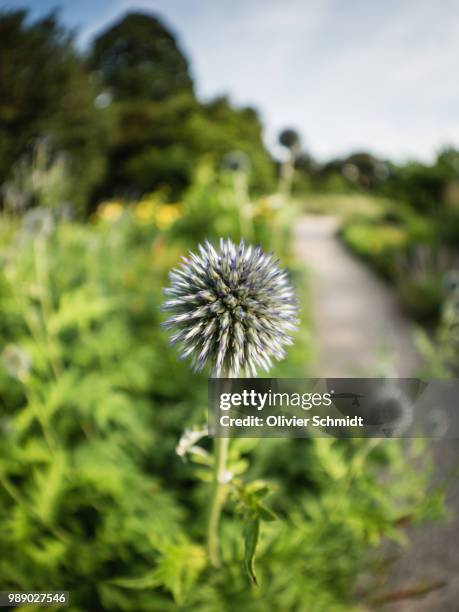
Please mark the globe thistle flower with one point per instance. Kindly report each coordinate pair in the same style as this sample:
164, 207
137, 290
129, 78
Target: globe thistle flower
451, 282
450, 318
232, 309
236, 161
66, 212
290, 139
391, 410
38, 223
16, 361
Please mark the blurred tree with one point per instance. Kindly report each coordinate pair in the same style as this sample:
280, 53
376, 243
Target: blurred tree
364, 169
358, 171
220, 128
45, 89
132, 126
161, 128
148, 149
426, 187
306, 168
138, 58
159, 144
448, 159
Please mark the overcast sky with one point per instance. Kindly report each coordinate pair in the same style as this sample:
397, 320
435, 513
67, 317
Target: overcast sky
348, 74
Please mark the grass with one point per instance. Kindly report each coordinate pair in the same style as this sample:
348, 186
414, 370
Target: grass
344, 205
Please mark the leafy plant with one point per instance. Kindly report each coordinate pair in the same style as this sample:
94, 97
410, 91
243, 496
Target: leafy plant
93, 403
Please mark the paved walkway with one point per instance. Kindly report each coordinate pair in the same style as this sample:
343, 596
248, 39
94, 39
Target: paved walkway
360, 330
359, 326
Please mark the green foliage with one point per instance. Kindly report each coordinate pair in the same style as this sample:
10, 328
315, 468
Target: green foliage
93, 401
425, 186
161, 130
222, 128
40, 179
138, 59
441, 352
253, 512
125, 120
377, 242
412, 250
45, 90
157, 145
213, 207
93, 404
81, 499
345, 206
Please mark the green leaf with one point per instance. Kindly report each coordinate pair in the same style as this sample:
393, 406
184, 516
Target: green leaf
251, 534
147, 581
57, 392
265, 514
179, 568
47, 552
79, 308
50, 486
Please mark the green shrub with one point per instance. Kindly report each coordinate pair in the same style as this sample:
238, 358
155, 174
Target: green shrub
412, 251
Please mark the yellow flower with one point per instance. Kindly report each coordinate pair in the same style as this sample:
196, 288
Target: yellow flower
110, 211
167, 214
264, 208
145, 210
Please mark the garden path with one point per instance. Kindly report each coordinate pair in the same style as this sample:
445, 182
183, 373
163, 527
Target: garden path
359, 327
360, 330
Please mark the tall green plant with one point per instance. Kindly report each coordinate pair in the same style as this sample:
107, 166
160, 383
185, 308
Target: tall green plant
234, 310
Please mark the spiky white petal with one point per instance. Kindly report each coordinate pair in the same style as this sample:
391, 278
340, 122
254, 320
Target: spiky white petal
233, 309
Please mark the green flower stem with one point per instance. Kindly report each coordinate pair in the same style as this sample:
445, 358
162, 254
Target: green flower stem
286, 177
218, 500
42, 274
244, 205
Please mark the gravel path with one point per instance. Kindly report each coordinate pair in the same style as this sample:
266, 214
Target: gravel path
360, 330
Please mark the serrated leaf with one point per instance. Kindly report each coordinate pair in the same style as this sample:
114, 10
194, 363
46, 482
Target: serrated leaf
330, 458
58, 391
50, 484
48, 552
78, 308
179, 568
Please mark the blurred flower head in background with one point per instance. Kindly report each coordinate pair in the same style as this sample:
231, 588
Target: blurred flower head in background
16, 361
392, 410
234, 308
38, 223
236, 161
290, 139
451, 282
65, 212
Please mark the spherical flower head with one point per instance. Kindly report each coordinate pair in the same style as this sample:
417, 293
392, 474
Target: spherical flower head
451, 282
391, 409
38, 223
16, 361
236, 161
450, 318
290, 139
233, 309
